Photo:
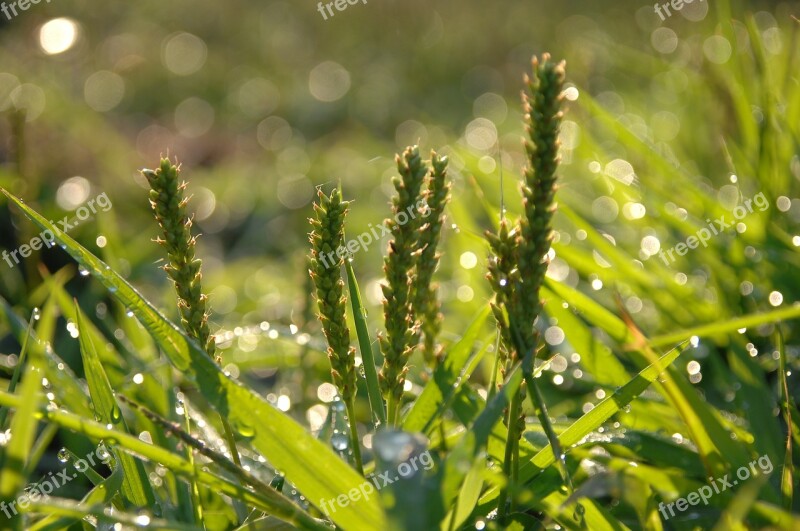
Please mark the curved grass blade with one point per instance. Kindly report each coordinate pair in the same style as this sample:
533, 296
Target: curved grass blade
69, 508
135, 485
100, 494
594, 418
266, 500
17, 452
727, 326
312, 466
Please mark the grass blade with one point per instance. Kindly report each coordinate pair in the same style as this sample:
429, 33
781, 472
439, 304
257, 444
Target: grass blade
135, 485
365, 346
266, 500
787, 483
594, 418
445, 382
23, 433
312, 466
12, 385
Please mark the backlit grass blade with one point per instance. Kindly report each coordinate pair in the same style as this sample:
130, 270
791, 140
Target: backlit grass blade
100, 494
265, 500
594, 418
365, 346
17, 451
309, 464
12, 385
135, 485
446, 379
105, 517
727, 326
63, 381
787, 475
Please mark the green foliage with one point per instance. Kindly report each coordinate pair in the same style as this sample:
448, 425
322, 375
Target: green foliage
659, 371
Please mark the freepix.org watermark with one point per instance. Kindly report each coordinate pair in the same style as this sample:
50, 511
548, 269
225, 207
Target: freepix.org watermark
340, 5
715, 228
706, 492
46, 238
10, 9
677, 5
51, 482
365, 239
375, 483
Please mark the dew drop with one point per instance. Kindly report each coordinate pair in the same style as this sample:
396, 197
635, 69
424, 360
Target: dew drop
63, 455
36, 314
337, 405
339, 442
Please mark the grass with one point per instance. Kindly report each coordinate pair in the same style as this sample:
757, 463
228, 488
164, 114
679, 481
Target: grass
636, 382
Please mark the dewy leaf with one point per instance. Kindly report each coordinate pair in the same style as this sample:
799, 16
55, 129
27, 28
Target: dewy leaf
23, 432
135, 485
309, 464
594, 418
446, 379
268, 501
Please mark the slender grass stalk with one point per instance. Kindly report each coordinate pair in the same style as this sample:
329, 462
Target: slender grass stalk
399, 266
787, 475
326, 272
519, 262
169, 206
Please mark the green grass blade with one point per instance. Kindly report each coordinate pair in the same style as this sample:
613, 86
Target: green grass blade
447, 378
459, 462
23, 433
787, 475
312, 466
727, 326
265, 500
594, 418
135, 485
100, 494
12, 385
78, 511
365, 345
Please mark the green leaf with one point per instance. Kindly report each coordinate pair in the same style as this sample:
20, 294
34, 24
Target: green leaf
135, 485
312, 466
100, 494
727, 326
70, 509
458, 464
23, 433
12, 385
365, 345
593, 419
265, 500
447, 379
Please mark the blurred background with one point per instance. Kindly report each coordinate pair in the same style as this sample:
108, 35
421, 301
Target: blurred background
263, 102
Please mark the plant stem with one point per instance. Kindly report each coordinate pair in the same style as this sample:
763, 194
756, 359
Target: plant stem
508, 458
354, 442
392, 406
535, 395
